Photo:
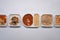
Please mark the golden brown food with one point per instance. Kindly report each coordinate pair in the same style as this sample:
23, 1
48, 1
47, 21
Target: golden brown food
46, 19
57, 20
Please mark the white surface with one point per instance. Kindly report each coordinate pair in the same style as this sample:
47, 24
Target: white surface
30, 6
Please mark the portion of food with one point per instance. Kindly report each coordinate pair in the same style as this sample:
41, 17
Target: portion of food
14, 20
36, 20
28, 20
57, 20
46, 19
2, 19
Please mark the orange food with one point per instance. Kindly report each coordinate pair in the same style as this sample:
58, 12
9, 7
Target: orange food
2, 19
28, 19
57, 20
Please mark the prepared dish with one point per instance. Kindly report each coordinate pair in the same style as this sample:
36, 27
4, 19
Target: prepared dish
27, 20
3, 20
46, 20
36, 20
14, 20
57, 20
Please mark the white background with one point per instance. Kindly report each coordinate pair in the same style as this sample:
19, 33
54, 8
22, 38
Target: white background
30, 6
